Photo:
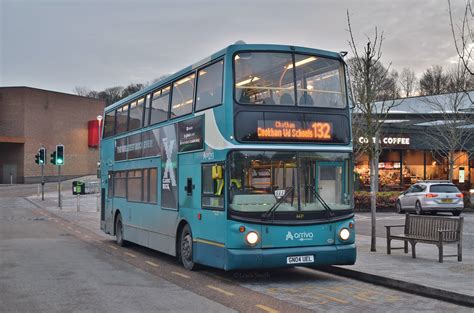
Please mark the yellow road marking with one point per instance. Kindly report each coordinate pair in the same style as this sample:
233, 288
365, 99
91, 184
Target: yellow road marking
266, 308
130, 254
220, 290
180, 274
115, 248
220, 278
331, 298
151, 263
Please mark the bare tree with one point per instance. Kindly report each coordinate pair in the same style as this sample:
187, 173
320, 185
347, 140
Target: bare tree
463, 36
111, 95
369, 81
407, 82
452, 130
131, 89
434, 81
82, 91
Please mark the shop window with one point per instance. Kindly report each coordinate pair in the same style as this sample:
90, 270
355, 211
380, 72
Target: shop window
413, 166
436, 166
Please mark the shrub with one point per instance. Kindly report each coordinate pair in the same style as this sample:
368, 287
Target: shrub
385, 201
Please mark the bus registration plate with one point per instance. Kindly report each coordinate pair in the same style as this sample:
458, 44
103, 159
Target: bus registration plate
300, 259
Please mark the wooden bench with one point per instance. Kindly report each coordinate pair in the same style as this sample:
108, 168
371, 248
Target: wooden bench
435, 230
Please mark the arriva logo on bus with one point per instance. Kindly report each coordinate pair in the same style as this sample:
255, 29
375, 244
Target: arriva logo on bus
299, 236
405, 141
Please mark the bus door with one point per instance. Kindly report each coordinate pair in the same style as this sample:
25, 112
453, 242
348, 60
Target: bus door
330, 181
109, 205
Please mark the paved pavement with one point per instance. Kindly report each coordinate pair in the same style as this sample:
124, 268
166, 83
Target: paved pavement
317, 290
425, 270
44, 268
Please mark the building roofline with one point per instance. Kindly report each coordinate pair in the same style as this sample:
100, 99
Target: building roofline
426, 96
53, 91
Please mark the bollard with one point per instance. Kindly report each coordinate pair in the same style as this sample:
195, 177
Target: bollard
38, 191
98, 202
78, 203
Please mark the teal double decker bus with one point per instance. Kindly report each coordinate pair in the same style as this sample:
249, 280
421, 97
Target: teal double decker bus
240, 161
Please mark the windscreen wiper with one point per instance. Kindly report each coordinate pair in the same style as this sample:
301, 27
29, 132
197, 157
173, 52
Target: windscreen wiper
277, 204
320, 199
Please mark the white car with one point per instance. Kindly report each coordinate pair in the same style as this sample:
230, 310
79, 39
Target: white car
431, 196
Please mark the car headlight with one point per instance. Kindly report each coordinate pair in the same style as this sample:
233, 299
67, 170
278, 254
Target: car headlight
344, 234
251, 238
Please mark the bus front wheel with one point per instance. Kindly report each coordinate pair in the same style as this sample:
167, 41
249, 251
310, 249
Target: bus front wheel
186, 248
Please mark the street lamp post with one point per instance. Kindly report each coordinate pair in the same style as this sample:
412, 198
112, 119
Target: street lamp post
99, 120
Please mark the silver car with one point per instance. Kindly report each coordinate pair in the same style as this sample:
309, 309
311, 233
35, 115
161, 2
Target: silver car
431, 196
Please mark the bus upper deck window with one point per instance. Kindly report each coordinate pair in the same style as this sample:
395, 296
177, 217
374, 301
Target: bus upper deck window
264, 78
209, 86
182, 96
319, 82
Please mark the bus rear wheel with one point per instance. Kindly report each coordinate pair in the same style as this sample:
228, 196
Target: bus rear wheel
119, 231
186, 248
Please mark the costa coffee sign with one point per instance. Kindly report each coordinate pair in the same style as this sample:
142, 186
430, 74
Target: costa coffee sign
388, 141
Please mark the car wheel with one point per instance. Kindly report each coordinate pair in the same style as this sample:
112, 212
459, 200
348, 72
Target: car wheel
186, 248
119, 231
400, 210
456, 213
418, 208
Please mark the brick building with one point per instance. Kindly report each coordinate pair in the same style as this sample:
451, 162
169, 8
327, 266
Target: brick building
31, 117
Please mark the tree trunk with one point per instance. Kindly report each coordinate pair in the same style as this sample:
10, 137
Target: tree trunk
374, 188
451, 166
373, 199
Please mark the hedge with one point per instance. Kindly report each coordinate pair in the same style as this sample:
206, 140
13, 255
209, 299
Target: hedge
386, 201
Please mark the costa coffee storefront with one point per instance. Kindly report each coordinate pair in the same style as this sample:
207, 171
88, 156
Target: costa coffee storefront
408, 154
404, 161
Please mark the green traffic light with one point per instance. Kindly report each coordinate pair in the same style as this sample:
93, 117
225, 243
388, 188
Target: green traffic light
59, 161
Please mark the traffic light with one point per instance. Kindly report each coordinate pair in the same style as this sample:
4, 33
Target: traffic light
37, 158
53, 158
42, 156
59, 155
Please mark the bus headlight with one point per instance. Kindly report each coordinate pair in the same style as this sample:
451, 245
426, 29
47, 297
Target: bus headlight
251, 238
344, 234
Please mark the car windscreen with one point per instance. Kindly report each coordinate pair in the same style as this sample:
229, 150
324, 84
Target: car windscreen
446, 188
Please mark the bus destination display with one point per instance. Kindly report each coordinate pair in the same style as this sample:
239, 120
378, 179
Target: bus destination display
292, 127
290, 130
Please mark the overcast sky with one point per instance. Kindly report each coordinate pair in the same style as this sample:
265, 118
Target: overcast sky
60, 44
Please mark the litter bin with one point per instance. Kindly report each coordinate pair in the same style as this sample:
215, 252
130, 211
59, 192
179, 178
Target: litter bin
78, 188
